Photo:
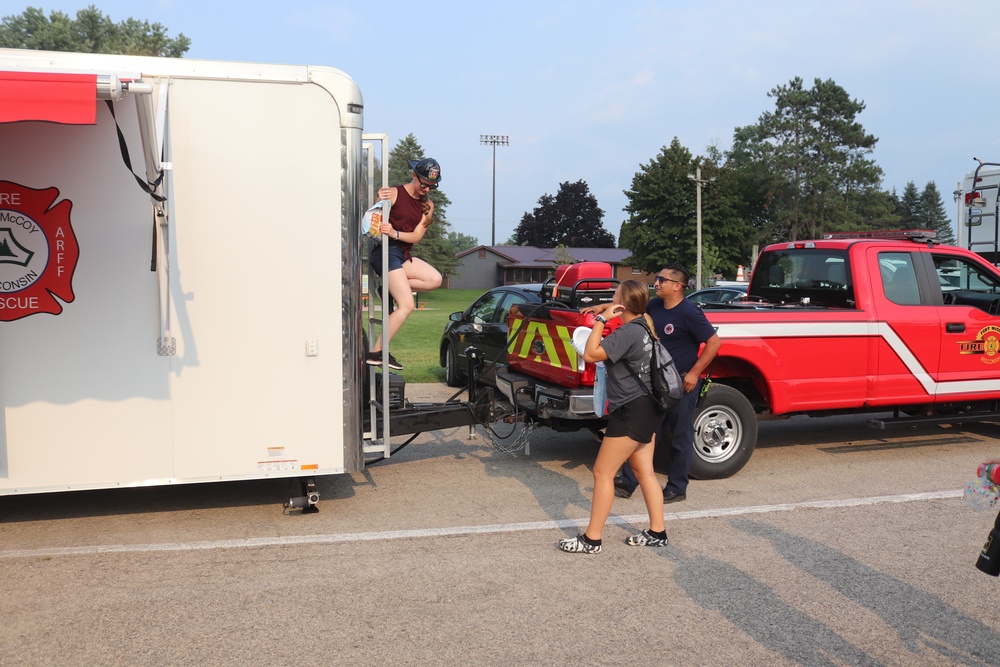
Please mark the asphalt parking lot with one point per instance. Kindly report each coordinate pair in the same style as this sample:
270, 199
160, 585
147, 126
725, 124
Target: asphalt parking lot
836, 545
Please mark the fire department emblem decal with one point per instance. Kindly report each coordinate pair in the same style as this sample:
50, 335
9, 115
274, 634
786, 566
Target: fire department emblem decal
38, 251
987, 344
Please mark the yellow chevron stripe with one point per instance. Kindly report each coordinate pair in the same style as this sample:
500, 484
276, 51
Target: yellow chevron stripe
544, 331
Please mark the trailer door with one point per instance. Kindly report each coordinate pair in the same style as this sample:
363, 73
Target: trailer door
85, 398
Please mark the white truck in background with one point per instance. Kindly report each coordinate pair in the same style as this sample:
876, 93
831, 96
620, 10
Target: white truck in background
180, 275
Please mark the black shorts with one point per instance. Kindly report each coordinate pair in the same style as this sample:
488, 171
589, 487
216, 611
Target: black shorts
637, 419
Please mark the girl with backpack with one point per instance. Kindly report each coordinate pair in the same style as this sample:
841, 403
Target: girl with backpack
632, 420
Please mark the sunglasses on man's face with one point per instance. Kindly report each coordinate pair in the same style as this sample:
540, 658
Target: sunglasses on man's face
661, 279
429, 186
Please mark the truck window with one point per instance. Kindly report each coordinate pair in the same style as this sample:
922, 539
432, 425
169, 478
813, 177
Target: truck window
965, 281
817, 277
958, 273
949, 272
899, 280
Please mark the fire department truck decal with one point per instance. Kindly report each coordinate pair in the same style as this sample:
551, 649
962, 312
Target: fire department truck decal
883, 330
38, 251
987, 343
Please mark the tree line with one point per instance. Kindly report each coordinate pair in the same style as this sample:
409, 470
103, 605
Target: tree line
801, 170
90, 32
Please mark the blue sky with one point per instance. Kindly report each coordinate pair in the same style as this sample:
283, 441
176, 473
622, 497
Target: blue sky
593, 90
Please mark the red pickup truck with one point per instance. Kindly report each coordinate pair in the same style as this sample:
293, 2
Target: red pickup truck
877, 322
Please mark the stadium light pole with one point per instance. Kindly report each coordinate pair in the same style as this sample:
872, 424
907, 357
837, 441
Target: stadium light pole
696, 177
957, 194
494, 140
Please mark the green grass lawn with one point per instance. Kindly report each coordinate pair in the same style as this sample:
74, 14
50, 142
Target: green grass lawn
418, 343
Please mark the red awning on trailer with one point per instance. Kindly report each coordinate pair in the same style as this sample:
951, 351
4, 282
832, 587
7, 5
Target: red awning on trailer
70, 99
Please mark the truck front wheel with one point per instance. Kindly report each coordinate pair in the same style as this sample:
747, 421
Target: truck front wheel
725, 433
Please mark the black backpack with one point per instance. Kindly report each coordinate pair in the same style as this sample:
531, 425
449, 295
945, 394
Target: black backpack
667, 384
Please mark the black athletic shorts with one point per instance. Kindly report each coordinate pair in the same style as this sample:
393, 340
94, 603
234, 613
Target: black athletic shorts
637, 419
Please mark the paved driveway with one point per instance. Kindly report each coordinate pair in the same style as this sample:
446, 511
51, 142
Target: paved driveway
837, 545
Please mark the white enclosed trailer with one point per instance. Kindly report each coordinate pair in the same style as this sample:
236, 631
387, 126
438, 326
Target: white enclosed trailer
207, 331
982, 210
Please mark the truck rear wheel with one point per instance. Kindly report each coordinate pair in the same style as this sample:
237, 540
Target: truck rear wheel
725, 433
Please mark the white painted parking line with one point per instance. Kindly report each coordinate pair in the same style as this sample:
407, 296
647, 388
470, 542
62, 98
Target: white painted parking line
462, 530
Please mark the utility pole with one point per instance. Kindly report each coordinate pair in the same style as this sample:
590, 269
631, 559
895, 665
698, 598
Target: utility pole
494, 140
696, 177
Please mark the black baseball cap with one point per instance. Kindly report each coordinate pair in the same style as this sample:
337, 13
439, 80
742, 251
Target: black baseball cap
426, 168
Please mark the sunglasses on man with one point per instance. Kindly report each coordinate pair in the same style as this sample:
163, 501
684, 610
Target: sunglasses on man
661, 279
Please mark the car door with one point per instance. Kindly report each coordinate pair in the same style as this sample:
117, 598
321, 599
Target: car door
479, 327
493, 333
907, 325
970, 324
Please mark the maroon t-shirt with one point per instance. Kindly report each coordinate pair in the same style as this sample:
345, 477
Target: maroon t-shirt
404, 216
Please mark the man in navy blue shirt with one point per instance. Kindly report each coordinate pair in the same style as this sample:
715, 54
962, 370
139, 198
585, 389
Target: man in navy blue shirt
682, 328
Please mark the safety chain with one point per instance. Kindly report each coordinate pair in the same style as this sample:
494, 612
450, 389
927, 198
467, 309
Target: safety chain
515, 441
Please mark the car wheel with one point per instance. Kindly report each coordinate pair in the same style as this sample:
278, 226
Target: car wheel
452, 375
725, 433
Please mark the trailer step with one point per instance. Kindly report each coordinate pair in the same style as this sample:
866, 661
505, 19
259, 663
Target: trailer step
375, 447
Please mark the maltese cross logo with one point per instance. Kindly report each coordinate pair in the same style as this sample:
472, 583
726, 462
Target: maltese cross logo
38, 251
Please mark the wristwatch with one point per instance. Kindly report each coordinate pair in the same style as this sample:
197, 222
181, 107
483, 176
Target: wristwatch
601, 319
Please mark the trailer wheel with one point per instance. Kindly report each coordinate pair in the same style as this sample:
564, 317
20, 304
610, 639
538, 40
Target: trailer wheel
725, 433
452, 375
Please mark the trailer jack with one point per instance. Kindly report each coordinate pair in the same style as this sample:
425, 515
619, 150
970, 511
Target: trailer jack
307, 501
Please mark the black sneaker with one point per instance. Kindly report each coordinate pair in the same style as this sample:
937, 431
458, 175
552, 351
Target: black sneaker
393, 363
646, 539
374, 358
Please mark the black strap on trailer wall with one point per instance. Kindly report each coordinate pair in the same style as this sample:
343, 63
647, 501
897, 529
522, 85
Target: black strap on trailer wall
147, 187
